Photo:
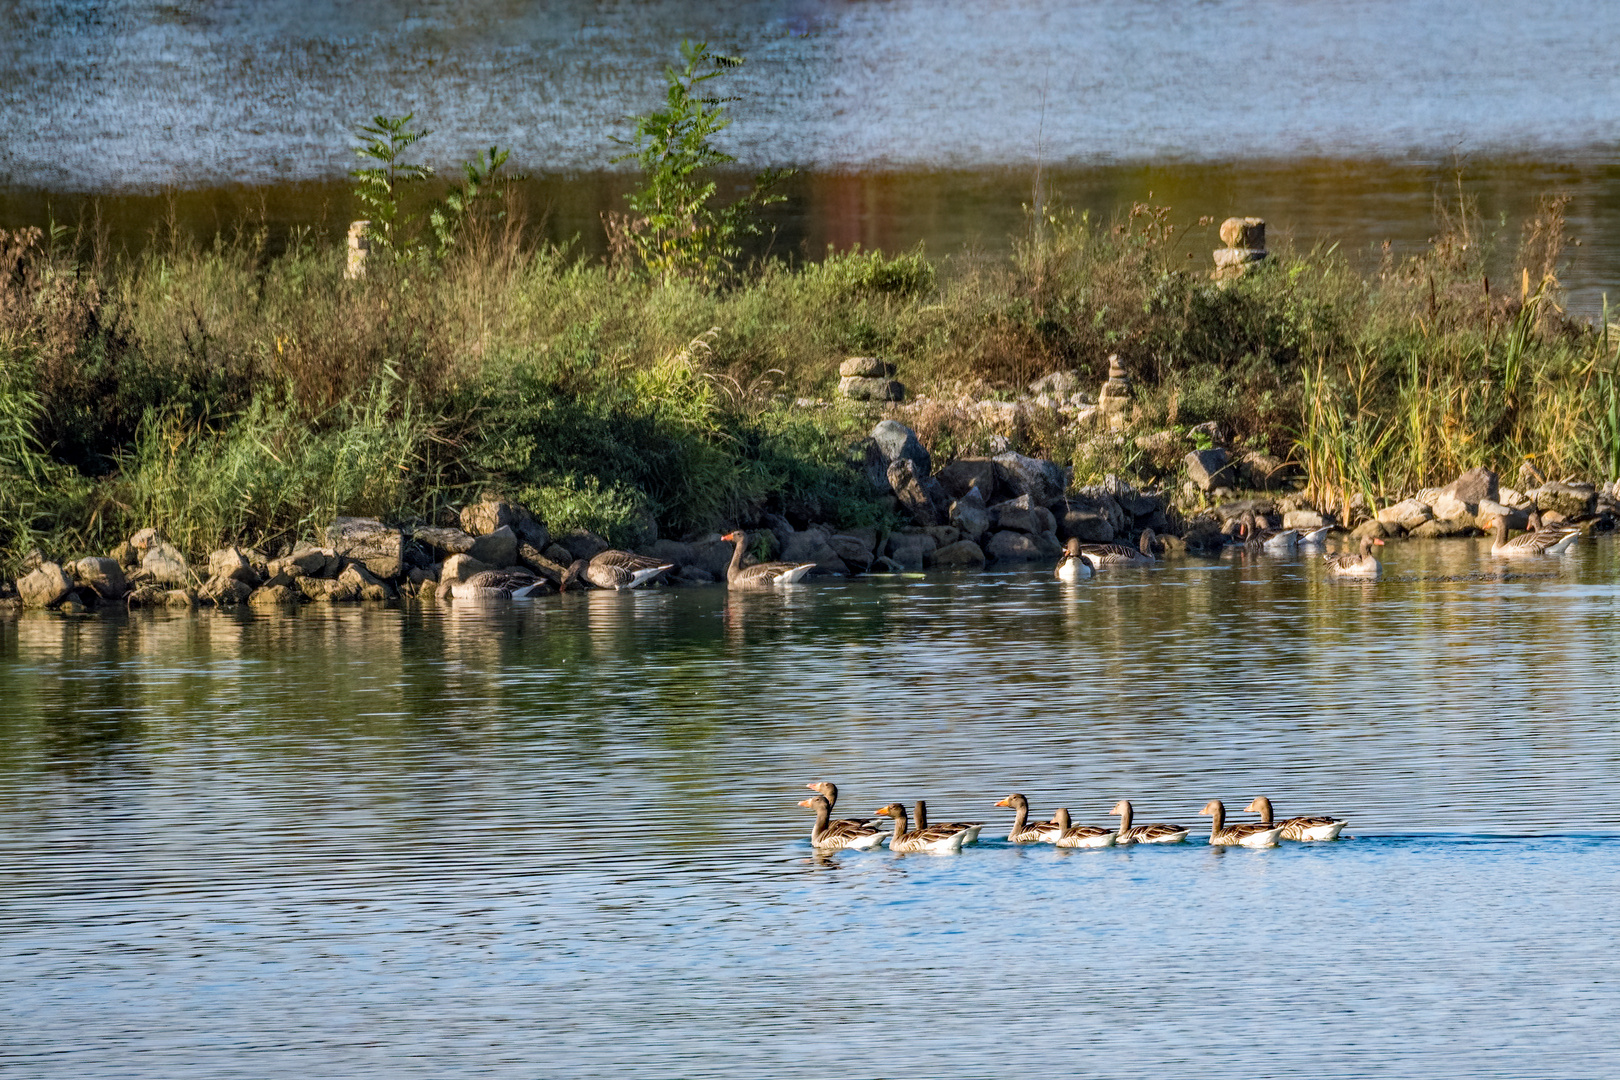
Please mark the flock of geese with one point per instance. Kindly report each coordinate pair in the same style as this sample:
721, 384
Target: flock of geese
946, 837
1080, 561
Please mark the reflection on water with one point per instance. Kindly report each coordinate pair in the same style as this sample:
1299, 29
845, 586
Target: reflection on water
560, 836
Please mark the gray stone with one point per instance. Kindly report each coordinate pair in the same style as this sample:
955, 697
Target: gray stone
1088, 525
316, 561
895, 441
231, 563
1095, 497
671, 551
1408, 514
865, 367
1258, 471
802, 546
856, 389
855, 552
1210, 469
1489, 511
966, 473
1303, 519
912, 551
225, 590
1059, 384
124, 554
1134, 503
103, 575
442, 541
274, 596
531, 530
582, 543
367, 540
356, 578
458, 568
559, 554
961, 553
179, 598
46, 586
482, 518
1048, 543
1448, 507
1571, 500
969, 514
1473, 487
693, 575
1010, 546
1446, 527
920, 495
944, 535
714, 556
1373, 528
164, 565
1518, 500
1043, 481
144, 539
498, 548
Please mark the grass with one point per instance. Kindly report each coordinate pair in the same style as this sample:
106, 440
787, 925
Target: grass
231, 395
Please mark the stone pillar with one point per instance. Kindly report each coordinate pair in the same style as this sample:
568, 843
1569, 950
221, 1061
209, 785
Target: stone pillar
359, 248
1245, 240
1114, 400
868, 378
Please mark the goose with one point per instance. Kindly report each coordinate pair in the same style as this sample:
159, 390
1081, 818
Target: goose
1297, 828
970, 827
1025, 831
827, 835
1273, 541
1243, 834
575, 575
1080, 835
939, 840
1144, 834
614, 569
829, 791
1072, 565
765, 573
1105, 555
496, 584
1545, 540
1315, 538
1361, 564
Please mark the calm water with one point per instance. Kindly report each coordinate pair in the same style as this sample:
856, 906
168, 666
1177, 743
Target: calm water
558, 838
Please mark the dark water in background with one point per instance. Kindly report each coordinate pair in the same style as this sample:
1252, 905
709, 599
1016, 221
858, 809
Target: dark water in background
558, 837
914, 121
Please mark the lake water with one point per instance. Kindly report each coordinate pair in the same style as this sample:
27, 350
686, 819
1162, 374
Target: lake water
913, 120
559, 837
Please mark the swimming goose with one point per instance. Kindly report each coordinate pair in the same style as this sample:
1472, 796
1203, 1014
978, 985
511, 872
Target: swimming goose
1106, 555
496, 584
1144, 834
1273, 541
970, 827
1359, 564
1545, 540
1315, 538
1080, 835
939, 840
829, 791
1243, 834
1023, 830
1297, 828
765, 573
1072, 565
827, 835
614, 569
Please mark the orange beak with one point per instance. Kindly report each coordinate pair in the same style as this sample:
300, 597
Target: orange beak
1005, 802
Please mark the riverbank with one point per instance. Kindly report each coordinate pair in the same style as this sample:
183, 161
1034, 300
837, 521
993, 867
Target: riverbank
231, 398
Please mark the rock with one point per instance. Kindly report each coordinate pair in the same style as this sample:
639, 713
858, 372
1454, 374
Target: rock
1408, 514
355, 577
145, 539
802, 546
944, 535
273, 596
857, 389
865, 367
497, 548
1086, 524
224, 590
1304, 519
532, 559
1043, 481
912, 551
693, 575
1210, 469
1096, 497
1571, 500
919, 495
671, 551
1489, 511
966, 473
483, 518
1245, 232
1134, 503
1012, 547
105, 576
1443, 527
45, 586
367, 540
1448, 507
315, 561
582, 543
559, 554
164, 565
1373, 528
458, 568
854, 551
1216, 432
531, 530
1472, 487
714, 556
895, 441
179, 598
969, 514
1114, 399
961, 553
1258, 471
1230, 258
443, 542
231, 563
1518, 500
1018, 515
125, 555
1061, 384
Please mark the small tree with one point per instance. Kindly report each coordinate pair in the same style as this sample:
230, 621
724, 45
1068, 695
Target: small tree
377, 186
675, 226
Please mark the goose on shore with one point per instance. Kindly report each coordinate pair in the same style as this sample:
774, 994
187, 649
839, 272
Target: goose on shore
1144, 834
971, 828
1072, 565
1023, 830
1242, 834
496, 585
1543, 540
1080, 835
829, 791
615, 569
937, 840
760, 574
1297, 828
1103, 556
829, 835
1361, 563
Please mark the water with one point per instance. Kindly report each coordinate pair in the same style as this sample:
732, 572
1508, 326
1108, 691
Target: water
559, 837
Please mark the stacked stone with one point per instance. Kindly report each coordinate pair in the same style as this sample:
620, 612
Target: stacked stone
1114, 400
359, 248
867, 378
1245, 240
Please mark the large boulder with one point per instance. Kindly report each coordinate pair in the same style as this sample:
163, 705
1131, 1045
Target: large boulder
356, 578
233, 564
969, 514
317, 561
1472, 487
103, 575
965, 473
671, 551
714, 556
1444, 527
582, 543
46, 586
865, 367
911, 550
445, 542
458, 568
1448, 507
496, 548
1043, 481
481, 518
858, 389
854, 551
1020, 515
798, 547
1304, 520
162, 564
1135, 504
1086, 523
366, 540
961, 553
1210, 469
919, 495
895, 441
1259, 471
1408, 514
1096, 497
271, 596
225, 591
1570, 500
1009, 546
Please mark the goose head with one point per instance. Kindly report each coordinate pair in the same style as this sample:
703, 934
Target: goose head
1014, 801
1071, 547
1060, 817
894, 810
827, 790
1261, 805
814, 802
1211, 808
1121, 808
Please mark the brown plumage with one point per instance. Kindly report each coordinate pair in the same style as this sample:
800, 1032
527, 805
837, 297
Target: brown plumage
829, 835
1023, 830
765, 573
938, 839
1297, 828
1144, 834
614, 569
1242, 834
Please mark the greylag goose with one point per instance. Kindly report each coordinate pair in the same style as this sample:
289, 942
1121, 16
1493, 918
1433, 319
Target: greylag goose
970, 827
939, 840
1542, 540
829, 791
1080, 835
1025, 831
1297, 828
765, 573
1072, 565
1101, 556
1243, 834
1144, 834
614, 569
1314, 538
575, 575
496, 585
1273, 541
828, 835
1361, 563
